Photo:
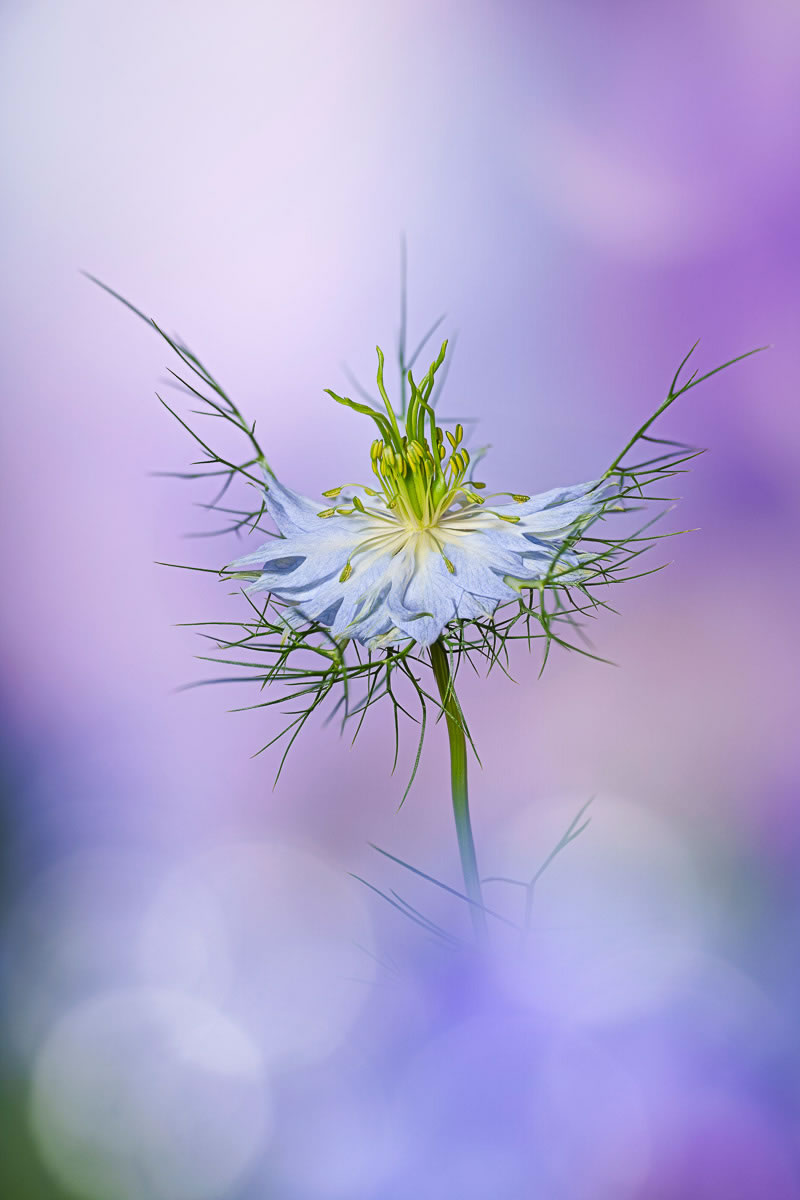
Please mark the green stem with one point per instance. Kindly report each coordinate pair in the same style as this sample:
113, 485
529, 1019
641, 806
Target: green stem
458, 778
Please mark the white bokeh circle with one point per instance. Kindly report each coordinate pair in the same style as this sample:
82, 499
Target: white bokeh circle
275, 934
147, 1094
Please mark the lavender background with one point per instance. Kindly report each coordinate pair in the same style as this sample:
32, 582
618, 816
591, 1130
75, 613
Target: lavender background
199, 1002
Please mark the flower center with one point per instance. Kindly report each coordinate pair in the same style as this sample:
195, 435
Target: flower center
418, 479
422, 470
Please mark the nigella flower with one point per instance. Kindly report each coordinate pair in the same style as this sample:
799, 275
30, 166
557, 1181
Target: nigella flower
427, 547
416, 567
400, 563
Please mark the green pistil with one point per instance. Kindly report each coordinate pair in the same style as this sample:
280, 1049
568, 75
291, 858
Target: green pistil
417, 478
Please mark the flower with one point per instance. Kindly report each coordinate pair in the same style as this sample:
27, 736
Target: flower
399, 563
424, 558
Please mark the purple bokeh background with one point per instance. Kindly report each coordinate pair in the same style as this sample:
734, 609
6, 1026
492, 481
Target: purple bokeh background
586, 188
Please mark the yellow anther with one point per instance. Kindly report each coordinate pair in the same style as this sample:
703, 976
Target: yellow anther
346, 573
452, 440
357, 503
503, 517
370, 492
459, 433
389, 457
520, 499
439, 435
332, 493
475, 499
326, 512
449, 565
464, 453
475, 484
442, 452
376, 450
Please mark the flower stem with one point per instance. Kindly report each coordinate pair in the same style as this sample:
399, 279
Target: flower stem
458, 778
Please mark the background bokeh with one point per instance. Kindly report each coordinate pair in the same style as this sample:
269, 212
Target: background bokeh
199, 1002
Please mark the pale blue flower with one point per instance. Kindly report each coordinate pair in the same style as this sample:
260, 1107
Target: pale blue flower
382, 575
400, 563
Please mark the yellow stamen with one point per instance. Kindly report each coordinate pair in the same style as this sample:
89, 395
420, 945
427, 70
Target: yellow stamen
346, 573
422, 473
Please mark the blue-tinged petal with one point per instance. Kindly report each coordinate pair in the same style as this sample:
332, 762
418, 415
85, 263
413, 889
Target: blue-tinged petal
310, 567
476, 608
292, 564
424, 596
559, 522
353, 601
559, 496
290, 511
559, 503
256, 557
565, 568
473, 523
377, 628
479, 566
541, 555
